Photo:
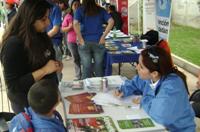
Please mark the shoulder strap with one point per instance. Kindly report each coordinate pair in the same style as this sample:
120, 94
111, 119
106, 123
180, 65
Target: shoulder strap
28, 119
58, 116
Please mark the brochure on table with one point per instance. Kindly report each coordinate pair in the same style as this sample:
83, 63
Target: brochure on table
92, 124
117, 34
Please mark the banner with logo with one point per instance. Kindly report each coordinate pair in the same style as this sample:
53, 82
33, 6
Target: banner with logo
163, 17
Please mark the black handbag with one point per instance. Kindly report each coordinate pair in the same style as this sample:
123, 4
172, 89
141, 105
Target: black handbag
195, 96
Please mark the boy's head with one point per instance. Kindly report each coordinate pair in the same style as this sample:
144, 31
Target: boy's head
43, 96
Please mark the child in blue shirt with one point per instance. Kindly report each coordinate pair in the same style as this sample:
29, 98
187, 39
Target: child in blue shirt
164, 90
43, 98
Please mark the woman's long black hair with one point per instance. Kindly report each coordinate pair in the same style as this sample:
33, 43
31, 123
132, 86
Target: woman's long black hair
91, 8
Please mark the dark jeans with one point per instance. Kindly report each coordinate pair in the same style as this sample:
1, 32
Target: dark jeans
87, 52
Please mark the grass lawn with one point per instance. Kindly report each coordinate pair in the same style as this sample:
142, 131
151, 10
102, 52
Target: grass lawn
185, 43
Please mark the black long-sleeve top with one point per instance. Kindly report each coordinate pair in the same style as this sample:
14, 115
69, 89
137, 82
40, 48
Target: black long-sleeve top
18, 70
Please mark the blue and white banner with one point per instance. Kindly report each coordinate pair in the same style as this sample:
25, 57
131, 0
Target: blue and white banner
163, 17
157, 16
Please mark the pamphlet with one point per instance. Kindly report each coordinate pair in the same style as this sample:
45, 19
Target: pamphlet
82, 104
135, 123
80, 98
92, 124
77, 85
85, 108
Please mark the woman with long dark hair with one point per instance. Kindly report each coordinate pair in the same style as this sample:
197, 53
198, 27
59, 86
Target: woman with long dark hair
27, 54
88, 21
164, 90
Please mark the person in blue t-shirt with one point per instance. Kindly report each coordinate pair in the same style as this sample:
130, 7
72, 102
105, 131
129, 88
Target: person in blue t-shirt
53, 31
164, 90
88, 21
43, 98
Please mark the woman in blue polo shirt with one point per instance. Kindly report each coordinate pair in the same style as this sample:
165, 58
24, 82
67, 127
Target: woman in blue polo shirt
164, 90
88, 21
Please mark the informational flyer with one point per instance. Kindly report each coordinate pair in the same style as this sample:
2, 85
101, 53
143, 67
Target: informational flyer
92, 124
135, 123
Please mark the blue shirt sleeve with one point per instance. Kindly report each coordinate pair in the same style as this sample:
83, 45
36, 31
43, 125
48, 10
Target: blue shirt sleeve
170, 106
56, 16
106, 16
78, 15
134, 86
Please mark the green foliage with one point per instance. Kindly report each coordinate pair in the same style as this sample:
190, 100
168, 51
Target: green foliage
185, 42
2, 13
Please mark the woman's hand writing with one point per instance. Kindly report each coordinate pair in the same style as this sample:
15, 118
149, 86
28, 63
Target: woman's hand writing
118, 93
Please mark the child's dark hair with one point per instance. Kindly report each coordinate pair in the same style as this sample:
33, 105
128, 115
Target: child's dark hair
43, 95
157, 59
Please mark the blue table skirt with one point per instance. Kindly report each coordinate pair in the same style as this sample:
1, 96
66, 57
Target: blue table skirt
119, 58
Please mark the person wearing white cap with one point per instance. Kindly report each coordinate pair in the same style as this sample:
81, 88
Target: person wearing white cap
88, 21
67, 27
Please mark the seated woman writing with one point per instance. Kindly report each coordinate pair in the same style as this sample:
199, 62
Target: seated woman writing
164, 90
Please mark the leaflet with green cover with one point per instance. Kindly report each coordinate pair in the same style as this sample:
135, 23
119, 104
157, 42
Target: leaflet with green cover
135, 123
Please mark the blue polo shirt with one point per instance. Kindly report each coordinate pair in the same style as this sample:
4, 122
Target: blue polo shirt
167, 102
55, 19
91, 26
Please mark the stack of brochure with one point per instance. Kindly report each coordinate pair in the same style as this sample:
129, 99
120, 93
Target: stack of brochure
118, 34
135, 49
113, 81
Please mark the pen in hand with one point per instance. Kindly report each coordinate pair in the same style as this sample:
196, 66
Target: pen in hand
118, 93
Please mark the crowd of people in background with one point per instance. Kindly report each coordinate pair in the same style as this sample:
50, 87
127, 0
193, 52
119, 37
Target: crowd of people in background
56, 28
